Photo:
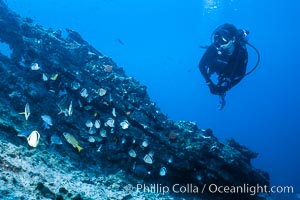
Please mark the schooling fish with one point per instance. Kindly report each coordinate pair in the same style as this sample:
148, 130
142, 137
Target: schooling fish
47, 121
65, 112
35, 66
71, 140
54, 77
27, 111
24, 133
55, 140
70, 110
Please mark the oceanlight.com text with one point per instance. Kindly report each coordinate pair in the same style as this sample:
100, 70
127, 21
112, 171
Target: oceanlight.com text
248, 189
213, 189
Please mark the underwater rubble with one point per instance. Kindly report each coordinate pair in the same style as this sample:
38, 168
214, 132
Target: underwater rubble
86, 109
31, 174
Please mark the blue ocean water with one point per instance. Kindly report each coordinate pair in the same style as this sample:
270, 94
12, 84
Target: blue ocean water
157, 42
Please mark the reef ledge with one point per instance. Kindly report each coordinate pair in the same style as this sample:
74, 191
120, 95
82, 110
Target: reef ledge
79, 97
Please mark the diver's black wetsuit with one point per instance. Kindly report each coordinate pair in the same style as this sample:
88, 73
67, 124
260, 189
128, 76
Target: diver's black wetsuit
229, 68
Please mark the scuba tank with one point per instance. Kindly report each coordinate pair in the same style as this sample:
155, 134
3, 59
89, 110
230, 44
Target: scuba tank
243, 38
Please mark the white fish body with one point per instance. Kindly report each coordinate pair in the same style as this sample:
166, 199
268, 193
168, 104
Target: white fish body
124, 124
110, 122
55, 140
27, 111
97, 124
114, 112
70, 110
33, 139
45, 77
132, 153
163, 171
65, 111
148, 159
47, 119
35, 66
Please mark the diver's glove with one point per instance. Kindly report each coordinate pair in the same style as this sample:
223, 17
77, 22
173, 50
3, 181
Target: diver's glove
215, 89
212, 87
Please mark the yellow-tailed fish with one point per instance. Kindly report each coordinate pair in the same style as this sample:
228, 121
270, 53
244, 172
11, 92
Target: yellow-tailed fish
33, 139
54, 77
27, 111
71, 140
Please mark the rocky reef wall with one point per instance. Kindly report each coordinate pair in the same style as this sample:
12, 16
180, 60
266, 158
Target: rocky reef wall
72, 89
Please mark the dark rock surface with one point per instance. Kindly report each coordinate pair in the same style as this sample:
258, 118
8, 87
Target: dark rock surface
68, 85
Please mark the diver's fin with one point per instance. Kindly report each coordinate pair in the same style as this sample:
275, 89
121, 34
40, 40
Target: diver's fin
222, 102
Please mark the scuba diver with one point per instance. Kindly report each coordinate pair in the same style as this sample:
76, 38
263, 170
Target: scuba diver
227, 58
